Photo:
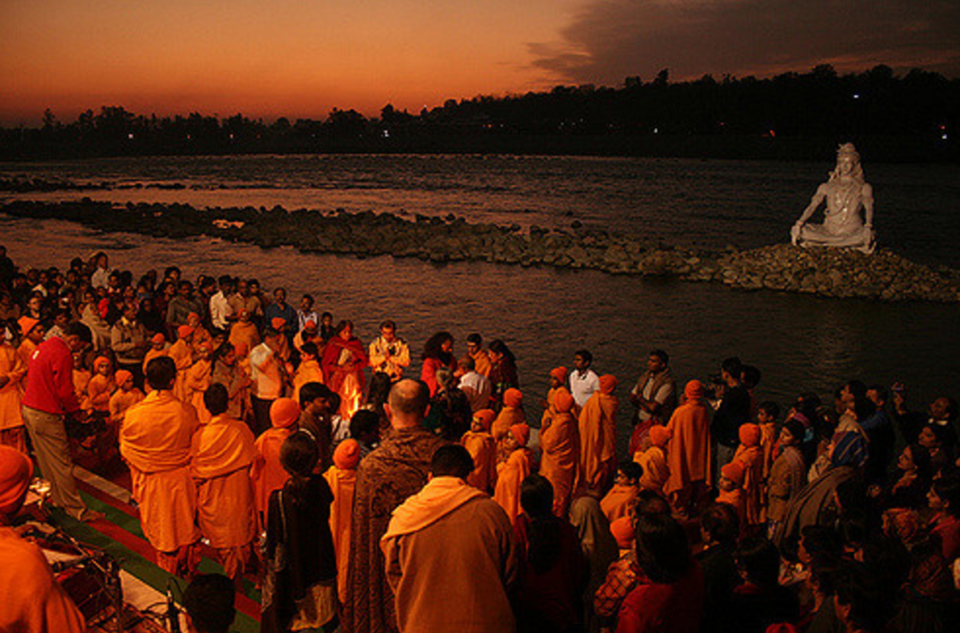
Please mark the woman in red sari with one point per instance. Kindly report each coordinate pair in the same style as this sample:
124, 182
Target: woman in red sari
437, 353
343, 361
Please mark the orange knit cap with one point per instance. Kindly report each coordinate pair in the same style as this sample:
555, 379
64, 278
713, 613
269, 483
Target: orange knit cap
512, 397
278, 323
563, 401
623, 532
309, 324
521, 433
284, 412
750, 435
26, 324
100, 360
660, 435
734, 471
16, 470
693, 390
560, 373
159, 338
122, 376
608, 383
485, 417
347, 455
184, 331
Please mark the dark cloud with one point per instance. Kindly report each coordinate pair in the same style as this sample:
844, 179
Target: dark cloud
612, 39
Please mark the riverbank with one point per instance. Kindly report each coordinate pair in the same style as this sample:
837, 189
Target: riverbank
883, 276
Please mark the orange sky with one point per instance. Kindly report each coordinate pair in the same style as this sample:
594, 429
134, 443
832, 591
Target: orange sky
300, 58
264, 57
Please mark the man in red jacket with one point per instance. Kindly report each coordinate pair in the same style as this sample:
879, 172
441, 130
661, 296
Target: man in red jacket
49, 399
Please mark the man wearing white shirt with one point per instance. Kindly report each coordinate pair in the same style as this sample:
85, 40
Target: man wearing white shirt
221, 312
475, 385
583, 382
268, 378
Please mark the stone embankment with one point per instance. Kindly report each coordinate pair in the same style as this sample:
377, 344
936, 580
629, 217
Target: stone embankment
827, 272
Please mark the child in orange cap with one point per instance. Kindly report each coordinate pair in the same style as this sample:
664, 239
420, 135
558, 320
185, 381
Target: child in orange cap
483, 449
731, 487
182, 354
750, 454
342, 477
100, 388
653, 460
123, 398
621, 574
560, 443
267, 473
31, 335
197, 380
510, 414
512, 472
158, 347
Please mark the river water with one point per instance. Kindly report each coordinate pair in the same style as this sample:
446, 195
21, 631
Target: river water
799, 342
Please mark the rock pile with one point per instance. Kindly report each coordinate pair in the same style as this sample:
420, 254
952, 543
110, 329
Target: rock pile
828, 272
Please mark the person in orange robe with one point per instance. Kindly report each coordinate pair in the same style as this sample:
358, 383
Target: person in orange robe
196, 381
222, 453
560, 443
653, 461
598, 437
483, 449
12, 372
81, 375
558, 381
511, 413
244, 332
342, 477
123, 398
158, 348
308, 371
31, 332
267, 473
731, 487
101, 386
511, 473
750, 454
619, 501
200, 334
344, 359
155, 441
33, 600
182, 354
689, 454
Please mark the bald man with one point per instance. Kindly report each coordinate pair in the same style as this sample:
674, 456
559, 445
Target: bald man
385, 479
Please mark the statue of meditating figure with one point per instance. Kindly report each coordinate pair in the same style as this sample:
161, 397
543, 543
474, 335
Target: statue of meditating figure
845, 192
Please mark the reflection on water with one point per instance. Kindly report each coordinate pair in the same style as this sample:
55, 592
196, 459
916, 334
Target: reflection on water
799, 342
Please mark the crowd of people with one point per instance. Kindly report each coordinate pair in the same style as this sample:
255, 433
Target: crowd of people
359, 493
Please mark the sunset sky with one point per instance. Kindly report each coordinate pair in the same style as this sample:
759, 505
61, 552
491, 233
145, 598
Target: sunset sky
300, 58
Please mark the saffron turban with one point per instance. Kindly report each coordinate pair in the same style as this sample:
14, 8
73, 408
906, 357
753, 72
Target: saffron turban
660, 435
347, 455
693, 390
122, 376
608, 383
284, 412
16, 470
485, 417
184, 331
560, 373
749, 435
521, 433
159, 338
26, 324
512, 397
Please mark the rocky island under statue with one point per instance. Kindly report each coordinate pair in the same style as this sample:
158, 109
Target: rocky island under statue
836, 259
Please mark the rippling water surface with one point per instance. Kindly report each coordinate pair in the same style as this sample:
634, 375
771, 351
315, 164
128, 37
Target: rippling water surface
800, 342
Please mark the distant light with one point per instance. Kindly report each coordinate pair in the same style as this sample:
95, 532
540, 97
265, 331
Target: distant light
386, 134
130, 136
772, 134
944, 137
656, 130
856, 95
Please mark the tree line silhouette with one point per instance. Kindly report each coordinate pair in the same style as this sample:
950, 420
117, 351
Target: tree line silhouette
909, 117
